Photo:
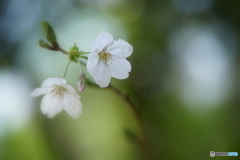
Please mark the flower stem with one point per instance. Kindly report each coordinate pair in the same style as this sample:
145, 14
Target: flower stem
80, 66
65, 72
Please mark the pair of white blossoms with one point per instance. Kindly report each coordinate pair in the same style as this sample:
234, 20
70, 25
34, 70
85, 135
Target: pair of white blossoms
107, 59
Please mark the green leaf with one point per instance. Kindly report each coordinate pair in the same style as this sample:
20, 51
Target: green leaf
44, 44
49, 33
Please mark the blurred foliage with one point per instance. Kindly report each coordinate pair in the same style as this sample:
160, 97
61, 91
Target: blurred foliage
108, 129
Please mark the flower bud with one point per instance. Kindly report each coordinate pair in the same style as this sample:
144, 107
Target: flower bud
73, 53
81, 82
82, 76
74, 49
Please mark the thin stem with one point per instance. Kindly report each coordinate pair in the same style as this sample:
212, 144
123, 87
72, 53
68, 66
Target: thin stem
65, 72
80, 66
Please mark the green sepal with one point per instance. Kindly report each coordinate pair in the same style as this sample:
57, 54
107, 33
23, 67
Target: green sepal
49, 33
83, 57
73, 53
73, 58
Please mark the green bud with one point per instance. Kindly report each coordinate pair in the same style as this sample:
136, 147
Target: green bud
49, 33
74, 53
44, 44
74, 49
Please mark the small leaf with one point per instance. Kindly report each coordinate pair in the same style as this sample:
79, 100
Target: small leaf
44, 44
49, 33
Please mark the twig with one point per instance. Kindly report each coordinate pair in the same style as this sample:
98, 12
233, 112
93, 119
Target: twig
62, 50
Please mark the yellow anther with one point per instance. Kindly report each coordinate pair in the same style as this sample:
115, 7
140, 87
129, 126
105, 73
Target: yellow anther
106, 57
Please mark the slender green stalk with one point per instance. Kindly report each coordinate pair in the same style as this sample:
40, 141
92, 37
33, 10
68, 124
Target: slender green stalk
65, 72
80, 66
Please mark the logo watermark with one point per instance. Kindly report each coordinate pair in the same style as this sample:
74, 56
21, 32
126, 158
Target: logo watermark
213, 154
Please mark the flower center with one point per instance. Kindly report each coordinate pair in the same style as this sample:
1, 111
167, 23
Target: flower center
57, 93
106, 57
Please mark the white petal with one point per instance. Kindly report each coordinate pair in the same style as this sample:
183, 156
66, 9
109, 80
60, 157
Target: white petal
104, 76
40, 91
119, 72
51, 106
93, 59
123, 63
101, 41
71, 91
51, 81
94, 70
72, 105
92, 67
45, 103
121, 49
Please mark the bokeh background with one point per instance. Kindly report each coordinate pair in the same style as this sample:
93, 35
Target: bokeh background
184, 79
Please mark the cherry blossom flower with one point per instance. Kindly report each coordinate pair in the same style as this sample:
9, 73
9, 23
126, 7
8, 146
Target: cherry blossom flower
58, 96
108, 59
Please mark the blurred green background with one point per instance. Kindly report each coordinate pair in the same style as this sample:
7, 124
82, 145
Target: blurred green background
184, 80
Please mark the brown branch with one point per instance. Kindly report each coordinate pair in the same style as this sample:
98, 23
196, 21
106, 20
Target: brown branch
62, 50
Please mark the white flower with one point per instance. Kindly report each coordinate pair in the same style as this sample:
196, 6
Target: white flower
58, 96
108, 59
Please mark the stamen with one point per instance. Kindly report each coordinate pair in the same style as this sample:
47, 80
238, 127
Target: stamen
106, 57
57, 93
